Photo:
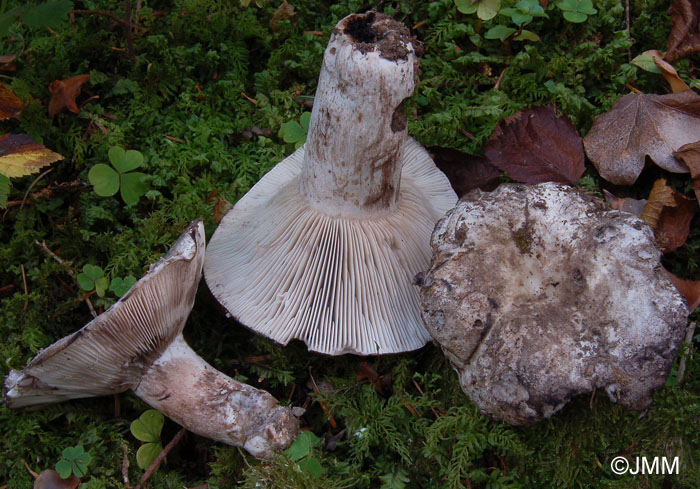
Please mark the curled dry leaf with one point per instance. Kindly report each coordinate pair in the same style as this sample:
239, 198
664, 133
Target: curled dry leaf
49, 479
690, 155
670, 73
20, 155
626, 204
536, 146
641, 125
10, 104
669, 213
684, 39
64, 93
465, 172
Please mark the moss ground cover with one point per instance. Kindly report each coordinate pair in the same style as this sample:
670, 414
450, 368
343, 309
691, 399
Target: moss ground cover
201, 88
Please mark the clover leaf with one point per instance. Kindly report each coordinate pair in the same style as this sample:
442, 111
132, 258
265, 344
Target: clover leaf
92, 277
147, 428
295, 132
121, 286
75, 461
576, 11
108, 180
485, 9
301, 452
524, 11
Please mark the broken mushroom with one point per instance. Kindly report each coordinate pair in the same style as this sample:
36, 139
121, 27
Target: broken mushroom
537, 294
137, 344
325, 246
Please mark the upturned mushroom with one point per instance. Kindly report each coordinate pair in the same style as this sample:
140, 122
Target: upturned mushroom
537, 294
137, 344
325, 246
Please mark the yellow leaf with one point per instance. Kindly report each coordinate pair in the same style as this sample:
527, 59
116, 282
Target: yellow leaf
20, 155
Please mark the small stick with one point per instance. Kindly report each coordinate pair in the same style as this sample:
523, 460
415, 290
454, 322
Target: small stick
163, 453
437, 415
34, 474
249, 99
690, 332
324, 404
500, 79
69, 271
32, 185
26, 292
125, 466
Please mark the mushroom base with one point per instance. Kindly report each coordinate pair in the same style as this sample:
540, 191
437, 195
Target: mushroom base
195, 395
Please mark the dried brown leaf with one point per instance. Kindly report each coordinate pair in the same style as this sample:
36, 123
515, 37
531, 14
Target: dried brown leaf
670, 73
64, 93
10, 104
626, 204
20, 155
690, 155
661, 196
684, 39
49, 479
690, 289
536, 146
641, 125
221, 207
673, 226
284, 12
465, 172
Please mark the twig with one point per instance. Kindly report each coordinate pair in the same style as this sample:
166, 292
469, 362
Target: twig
34, 474
163, 453
690, 332
26, 292
437, 415
125, 467
32, 185
629, 31
324, 404
69, 271
500, 79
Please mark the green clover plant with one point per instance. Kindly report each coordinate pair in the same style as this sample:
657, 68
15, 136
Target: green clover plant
522, 13
301, 452
484, 9
93, 277
147, 428
295, 132
108, 180
576, 11
121, 286
74, 461
47, 14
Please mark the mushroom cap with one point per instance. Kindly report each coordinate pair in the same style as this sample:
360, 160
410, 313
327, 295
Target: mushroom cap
538, 293
341, 284
111, 353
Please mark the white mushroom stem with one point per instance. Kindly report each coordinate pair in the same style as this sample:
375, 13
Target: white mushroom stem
184, 387
351, 165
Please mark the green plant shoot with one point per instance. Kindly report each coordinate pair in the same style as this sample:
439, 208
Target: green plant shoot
577, 11
301, 452
485, 9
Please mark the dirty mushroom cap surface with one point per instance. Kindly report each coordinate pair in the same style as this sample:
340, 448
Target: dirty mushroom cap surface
325, 246
538, 293
138, 344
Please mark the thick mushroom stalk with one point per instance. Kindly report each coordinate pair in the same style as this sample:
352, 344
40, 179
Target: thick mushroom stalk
324, 247
351, 164
138, 344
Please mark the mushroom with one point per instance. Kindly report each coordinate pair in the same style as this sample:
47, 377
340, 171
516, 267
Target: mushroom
325, 246
538, 293
137, 344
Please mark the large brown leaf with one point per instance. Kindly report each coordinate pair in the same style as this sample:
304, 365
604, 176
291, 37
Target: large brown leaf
641, 125
465, 172
64, 93
536, 146
669, 213
690, 289
684, 39
690, 155
20, 155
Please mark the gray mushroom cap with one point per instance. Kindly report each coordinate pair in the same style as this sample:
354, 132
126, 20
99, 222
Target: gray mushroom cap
538, 293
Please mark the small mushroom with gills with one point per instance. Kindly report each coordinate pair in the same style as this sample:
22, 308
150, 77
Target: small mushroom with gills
325, 246
137, 344
537, 294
